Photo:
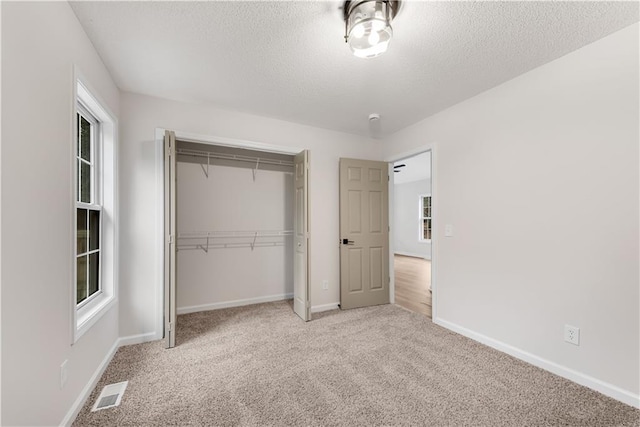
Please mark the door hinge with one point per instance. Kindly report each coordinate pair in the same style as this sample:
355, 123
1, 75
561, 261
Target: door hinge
170, 326
171, 239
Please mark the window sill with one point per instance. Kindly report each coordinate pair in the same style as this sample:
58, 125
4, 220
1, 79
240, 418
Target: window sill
425, 241
88, 315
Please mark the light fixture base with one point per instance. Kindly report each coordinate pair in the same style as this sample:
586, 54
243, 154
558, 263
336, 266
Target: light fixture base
394, 8
367, 25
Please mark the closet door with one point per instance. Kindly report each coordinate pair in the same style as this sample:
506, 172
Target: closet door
301, 303
170, 239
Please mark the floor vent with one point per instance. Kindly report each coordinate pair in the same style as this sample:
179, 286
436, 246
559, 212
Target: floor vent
110, 396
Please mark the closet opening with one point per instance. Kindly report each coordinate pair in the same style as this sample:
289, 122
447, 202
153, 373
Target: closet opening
231, 216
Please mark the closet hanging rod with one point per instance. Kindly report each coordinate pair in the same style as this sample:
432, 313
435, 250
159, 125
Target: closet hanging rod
238, 157
228, 245
234, 234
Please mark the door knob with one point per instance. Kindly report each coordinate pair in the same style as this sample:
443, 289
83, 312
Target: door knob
347, 242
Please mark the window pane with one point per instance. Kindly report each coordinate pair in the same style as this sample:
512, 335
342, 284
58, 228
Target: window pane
94, 230
85, 182
426, 229
94, 272
81, 282
85, 139
81, 231
78, 129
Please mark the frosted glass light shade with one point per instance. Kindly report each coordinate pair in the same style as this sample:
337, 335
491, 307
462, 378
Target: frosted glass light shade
368, 28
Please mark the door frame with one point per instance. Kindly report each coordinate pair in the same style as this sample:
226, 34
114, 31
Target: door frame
159, 165
435, 235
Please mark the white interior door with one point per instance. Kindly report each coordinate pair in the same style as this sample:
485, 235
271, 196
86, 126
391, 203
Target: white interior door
364, 233
170, 239
301, 302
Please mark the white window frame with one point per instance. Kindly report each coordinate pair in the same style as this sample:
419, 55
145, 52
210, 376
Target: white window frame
422, 218
104, 156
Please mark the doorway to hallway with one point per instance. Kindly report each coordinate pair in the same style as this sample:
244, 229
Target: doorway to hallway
413, 283
412, 237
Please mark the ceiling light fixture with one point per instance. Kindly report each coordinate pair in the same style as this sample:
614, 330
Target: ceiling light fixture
368, 26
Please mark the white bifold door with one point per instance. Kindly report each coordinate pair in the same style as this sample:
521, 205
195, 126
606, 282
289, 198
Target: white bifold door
364, 233
301, 297
169, 239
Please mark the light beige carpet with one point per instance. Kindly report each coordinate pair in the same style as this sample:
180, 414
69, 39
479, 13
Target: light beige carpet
261, 365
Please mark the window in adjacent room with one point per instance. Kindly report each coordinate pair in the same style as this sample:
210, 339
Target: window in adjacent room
425, 218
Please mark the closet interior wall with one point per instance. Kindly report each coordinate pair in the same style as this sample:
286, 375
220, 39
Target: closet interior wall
234, 224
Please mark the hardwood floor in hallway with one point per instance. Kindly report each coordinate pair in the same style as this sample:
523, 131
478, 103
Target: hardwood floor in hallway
412, 282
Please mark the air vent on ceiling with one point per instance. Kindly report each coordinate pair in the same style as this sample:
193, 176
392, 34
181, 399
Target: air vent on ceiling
110, 396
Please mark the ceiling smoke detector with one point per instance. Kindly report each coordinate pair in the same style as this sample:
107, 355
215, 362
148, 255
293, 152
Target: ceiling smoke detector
374, 117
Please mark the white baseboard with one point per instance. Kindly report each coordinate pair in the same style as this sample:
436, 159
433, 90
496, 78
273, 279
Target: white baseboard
412, 254
86, 391
137, 339
607, 389
325, 307
234, 303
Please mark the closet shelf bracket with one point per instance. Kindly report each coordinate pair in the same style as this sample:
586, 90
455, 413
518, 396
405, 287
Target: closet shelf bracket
206, 171
255, 236
204, 248
255, 171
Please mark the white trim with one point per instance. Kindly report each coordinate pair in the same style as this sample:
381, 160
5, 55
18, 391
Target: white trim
137, 339
85, 94
575, 376
91, 384
159, 244
93, 381
232, 142
431, 147
234, 303
325, 307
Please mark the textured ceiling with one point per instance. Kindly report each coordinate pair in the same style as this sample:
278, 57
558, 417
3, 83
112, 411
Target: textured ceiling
288, 60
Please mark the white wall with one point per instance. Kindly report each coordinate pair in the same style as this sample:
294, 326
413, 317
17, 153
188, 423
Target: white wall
40, 44
140, 276
229, 199
539, 177
406, 219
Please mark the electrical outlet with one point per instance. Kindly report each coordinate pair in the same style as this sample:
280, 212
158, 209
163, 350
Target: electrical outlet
325, 285
64, 373
572, 334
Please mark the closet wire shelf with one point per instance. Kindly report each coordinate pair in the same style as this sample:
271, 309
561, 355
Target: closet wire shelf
238, 157
231, 239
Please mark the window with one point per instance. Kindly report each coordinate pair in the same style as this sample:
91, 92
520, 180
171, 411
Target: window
88, 208
425, 217
94, 243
